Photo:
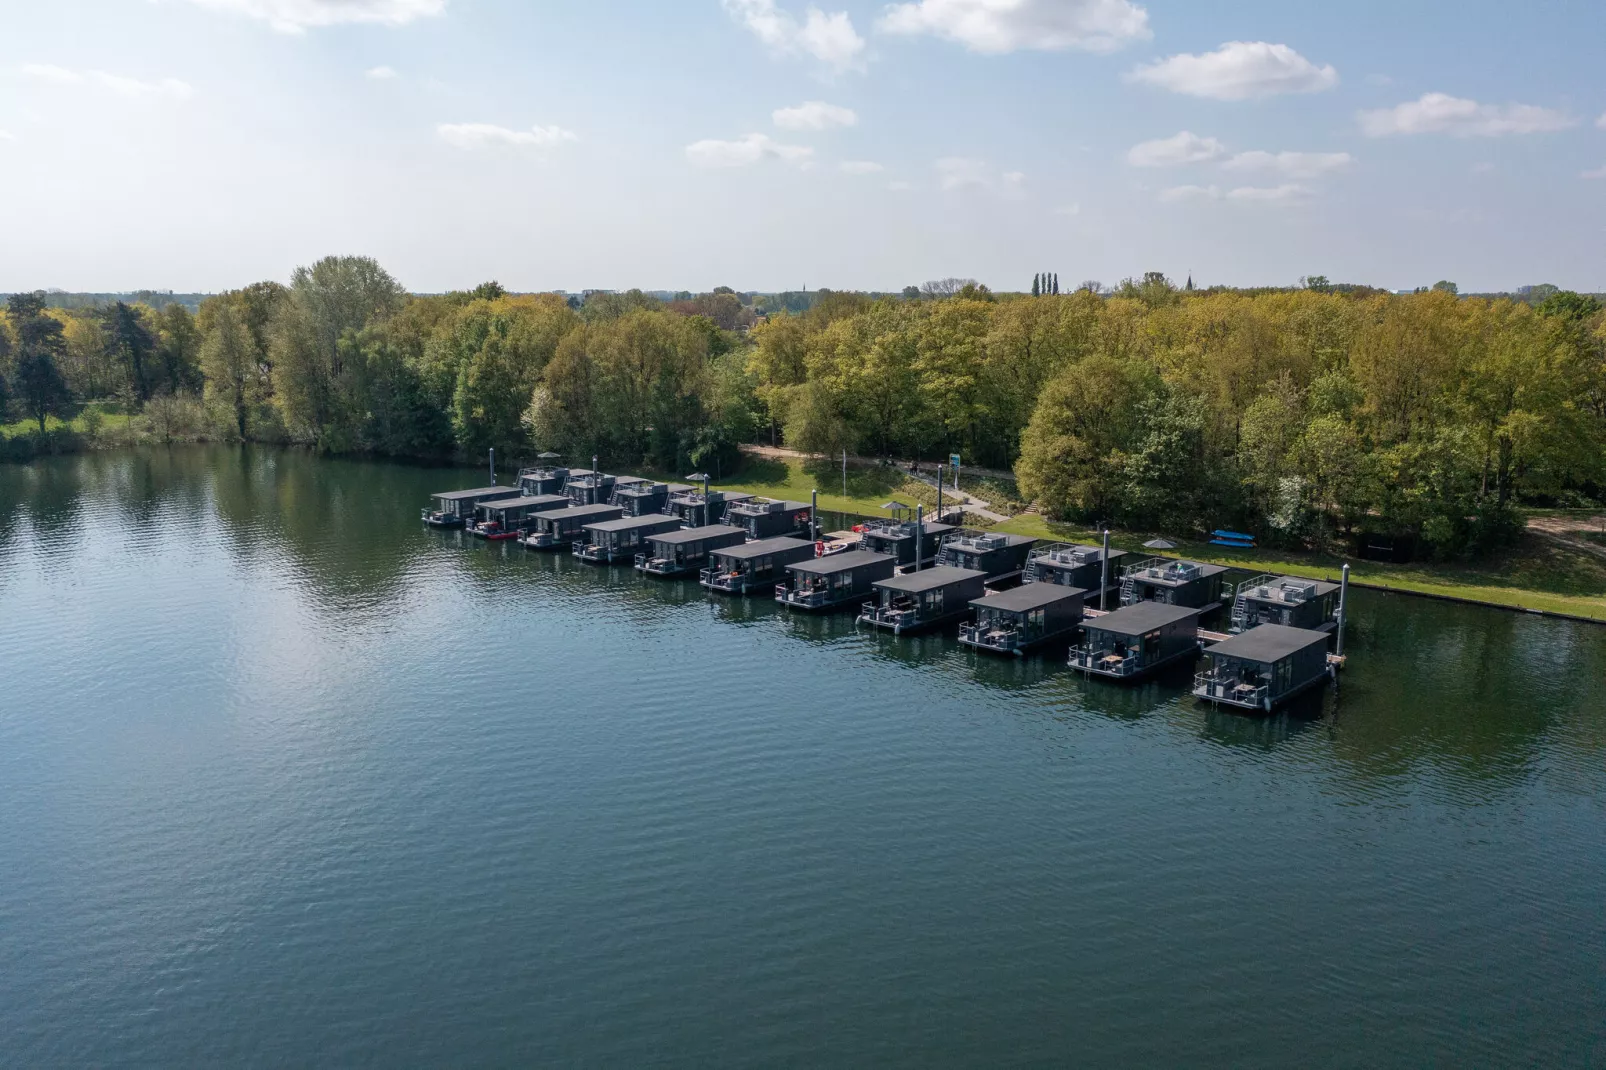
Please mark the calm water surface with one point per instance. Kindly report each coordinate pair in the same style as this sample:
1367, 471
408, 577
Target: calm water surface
287, 780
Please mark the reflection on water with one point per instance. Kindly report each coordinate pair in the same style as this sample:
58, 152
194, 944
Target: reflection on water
286, 777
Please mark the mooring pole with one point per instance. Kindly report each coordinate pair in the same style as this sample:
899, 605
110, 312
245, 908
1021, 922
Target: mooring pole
844, 473
1104, 570
595, 482
493, 466
1343, 598
939, 492
814, 515
920, 534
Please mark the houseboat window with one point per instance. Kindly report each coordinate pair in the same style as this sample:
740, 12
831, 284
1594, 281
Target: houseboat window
1151, 644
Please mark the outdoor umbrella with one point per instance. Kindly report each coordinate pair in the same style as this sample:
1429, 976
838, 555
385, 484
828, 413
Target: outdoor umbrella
1160, 544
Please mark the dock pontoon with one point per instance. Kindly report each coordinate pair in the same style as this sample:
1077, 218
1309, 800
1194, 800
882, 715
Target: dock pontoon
754, 566
1000, 557
455, 508
1290, 600
766, 518
1072, 565
559, 528
509, 518
839, 579
677, 553
925, 599
1188, 584
620, 539
1264, 667
1132, 642
1031, 615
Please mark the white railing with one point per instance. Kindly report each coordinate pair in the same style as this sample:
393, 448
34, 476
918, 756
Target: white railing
1218, 687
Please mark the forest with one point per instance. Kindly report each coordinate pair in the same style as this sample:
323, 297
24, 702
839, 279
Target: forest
1306, 415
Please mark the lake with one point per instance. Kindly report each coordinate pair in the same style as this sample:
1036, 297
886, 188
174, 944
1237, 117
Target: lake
287, 779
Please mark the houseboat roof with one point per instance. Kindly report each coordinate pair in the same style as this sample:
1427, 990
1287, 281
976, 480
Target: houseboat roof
764, 503
629, 481
1139, 617
842, 562
578, 512
1321, 586
1268, 643
898, 529
929, 579
459, 495
1171, 574
520, 503
625, 523
1002, 538
1082, 550
1028, 596
707, 531
760, 547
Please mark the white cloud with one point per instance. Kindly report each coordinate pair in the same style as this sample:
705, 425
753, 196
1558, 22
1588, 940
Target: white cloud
829, 38
117, 83
898, 186
6, 135
1440, 113
999, 26
478, 135
381, 73
1190, 193
1291, 164
1601, 122
814, 115
1068, 210
1483, 167
860, 167
744, 152
1014, 178
1185, 147
1238, 70
1284, 194
298, 16
1599, 172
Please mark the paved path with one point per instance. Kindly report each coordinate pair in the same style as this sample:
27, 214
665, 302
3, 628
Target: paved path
971, 503
787, 453
1565, 530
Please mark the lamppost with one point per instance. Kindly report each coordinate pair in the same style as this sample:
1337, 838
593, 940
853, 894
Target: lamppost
703, 478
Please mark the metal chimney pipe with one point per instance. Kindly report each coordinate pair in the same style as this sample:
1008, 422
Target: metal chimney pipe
493, 466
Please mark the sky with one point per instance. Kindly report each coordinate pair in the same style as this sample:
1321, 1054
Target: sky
200, 145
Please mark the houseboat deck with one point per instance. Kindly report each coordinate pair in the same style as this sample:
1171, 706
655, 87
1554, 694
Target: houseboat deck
1264, 667
929, 598
551, 531
621, 539
456, 507
1074, 565
1133, 641
509, 518
1001, 556
1292, 600
1031, 615
754, 566
839, 579
1189, 584
683, 552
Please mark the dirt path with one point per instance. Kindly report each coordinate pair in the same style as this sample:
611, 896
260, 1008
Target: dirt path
1565, 530
787, 453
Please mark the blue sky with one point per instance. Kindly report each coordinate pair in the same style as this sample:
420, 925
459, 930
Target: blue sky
773, 144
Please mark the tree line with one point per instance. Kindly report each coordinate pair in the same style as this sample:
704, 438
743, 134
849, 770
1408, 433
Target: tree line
1304, 414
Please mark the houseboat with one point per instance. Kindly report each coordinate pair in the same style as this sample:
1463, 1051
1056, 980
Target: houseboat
543, 479
766, 518
621, 539
1175, 583
1290, 600
509, 518
677, 553
1000, 557
559, 528
586, 487
1072, 565
1031, 615
924, 599
835, 580
754, 566
645, 497
896, 537
1132, 642
455, 508
698, 509
1264, 667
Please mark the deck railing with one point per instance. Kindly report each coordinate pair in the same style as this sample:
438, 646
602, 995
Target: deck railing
892, 616
813, 597
994, 636
979, 542
1104, 660
1230, 688
1158, 568
722, 579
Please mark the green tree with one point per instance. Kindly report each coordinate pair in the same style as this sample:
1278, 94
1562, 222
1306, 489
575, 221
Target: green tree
178, 350
36, 377
229, 362
130, 344
1036, 285
1071, 453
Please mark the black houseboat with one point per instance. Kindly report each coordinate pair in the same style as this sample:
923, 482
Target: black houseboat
1014, 621
1000, 557
586, 487
1290, 600
1136, 640
640, 499
834, 580
543, 479
896, 537
766, 518
1175, 583
924, 599
1265, 666
620, 539
754, 566
454, 508
1072, 565
509, 518
698, 510
676, 553
559, 528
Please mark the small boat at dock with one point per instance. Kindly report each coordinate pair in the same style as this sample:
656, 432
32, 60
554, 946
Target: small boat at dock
620, 539
455, 508
683, 552
559, 528
1025, 617
1134, 641
839, 579
929, 598
1264, 667
754, 566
